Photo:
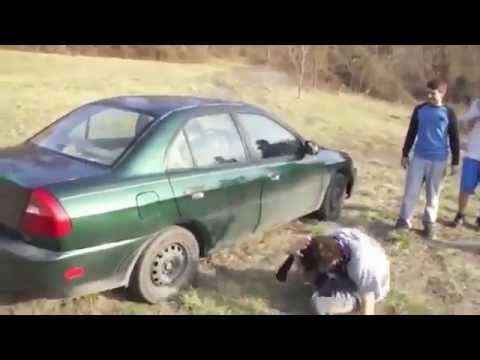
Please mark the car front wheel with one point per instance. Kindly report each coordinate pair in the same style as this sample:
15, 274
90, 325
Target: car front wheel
332, 205
166, 266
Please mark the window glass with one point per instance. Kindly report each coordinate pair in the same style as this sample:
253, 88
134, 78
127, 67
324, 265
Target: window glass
94, 132
266, 139
179, 156
214, 140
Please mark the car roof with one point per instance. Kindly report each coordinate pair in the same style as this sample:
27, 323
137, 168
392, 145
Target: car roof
159, 106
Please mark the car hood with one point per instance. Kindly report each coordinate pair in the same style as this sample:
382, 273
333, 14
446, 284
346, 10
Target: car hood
31, 166
331, 156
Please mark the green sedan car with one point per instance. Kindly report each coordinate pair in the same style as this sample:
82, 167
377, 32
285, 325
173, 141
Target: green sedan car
132, 191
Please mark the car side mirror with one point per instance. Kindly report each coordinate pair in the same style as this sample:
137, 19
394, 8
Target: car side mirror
311, 147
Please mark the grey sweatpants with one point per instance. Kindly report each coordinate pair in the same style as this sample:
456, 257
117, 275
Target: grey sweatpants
335, 294
432, 174
341, 302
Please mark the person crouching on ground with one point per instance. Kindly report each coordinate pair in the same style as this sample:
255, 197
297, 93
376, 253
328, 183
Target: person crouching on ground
434, 128
348, 269
471, 162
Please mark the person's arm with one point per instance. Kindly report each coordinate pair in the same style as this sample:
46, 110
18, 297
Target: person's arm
454, 137
293, 260
284, 269
367, 303
471, 116
365, 277
410, 138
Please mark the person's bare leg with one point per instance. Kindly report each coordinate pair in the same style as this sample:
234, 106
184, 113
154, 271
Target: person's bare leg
463, 202
462, 206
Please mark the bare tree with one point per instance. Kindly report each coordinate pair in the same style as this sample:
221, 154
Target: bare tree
315, 66
320, 59
298, 56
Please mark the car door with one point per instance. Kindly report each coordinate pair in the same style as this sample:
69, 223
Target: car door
292, 179
213, 182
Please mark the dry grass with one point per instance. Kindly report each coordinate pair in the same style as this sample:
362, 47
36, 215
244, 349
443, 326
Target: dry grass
37, 88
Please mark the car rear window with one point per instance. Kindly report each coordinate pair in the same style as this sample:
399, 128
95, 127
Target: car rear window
94, 133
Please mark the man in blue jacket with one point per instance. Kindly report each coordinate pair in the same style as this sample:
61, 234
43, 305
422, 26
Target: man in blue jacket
433, 126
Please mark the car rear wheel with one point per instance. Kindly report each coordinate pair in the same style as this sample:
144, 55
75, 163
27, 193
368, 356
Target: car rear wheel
166, 266
332, 205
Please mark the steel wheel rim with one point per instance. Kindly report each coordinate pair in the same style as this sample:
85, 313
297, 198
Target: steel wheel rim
168, 265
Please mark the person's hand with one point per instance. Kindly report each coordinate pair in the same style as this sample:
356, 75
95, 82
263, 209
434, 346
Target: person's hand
299, 245
367, 304
454, 170
405, 162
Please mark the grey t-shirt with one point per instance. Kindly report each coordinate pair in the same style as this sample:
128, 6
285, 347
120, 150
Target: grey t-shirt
368, 266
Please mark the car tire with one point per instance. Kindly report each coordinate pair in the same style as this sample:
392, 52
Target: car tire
167, 265
332, 205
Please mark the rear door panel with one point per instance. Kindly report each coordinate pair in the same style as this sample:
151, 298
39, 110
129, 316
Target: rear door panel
229, 204
222, 190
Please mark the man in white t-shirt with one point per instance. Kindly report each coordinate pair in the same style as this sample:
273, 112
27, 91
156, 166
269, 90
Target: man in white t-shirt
471, 162
349, 270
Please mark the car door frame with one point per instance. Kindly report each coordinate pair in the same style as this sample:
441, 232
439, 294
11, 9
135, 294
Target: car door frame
205, 111
189, 115
275, 160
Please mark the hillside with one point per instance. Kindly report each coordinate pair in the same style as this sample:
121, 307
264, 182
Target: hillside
38, 88
388, 72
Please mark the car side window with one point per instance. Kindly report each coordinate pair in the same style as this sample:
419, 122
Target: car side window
179, 156
214, 140
266, 139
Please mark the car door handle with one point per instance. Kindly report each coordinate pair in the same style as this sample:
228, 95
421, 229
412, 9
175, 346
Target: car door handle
274, 177
195, 193
198, 195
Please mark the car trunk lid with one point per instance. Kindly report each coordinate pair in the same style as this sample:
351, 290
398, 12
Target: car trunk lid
27, 167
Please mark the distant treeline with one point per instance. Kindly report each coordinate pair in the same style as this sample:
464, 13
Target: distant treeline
389, 72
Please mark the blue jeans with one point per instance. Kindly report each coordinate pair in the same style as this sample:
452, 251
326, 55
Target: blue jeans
470, 175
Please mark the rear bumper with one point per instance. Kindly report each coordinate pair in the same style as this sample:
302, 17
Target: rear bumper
28, 269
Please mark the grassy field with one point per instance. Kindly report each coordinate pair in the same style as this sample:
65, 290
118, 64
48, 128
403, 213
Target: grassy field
35, 89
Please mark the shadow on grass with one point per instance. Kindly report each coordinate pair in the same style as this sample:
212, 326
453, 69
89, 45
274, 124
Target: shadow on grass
10, 299
472, 227
7, 299
356, 207
446, 223
241, 290
467, 225
246, 291
470, 246
120, 294
377, 227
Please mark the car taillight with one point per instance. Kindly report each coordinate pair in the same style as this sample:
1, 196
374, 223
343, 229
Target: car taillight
45, 217
75, 272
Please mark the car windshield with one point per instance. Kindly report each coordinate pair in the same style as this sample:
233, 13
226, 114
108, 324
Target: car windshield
94, 133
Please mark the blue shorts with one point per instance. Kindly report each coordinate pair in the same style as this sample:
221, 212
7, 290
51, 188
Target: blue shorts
470, 175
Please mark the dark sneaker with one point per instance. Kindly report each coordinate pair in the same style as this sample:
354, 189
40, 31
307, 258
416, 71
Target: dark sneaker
477, 222
428, 231
459, 220
402, 225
